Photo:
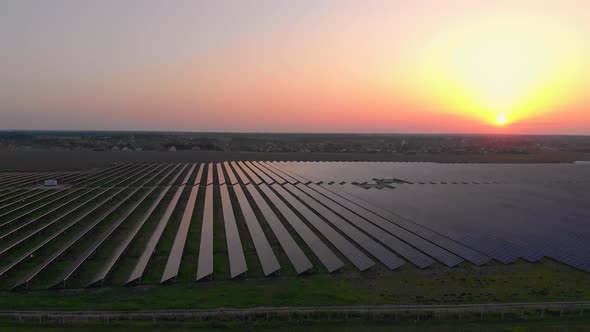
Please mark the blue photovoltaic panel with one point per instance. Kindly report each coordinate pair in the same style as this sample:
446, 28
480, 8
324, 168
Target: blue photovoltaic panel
419, 243
344, 212
263, 169
377, 250
253, 176
232, 177
205, 262
148, 250
210, 174
267, 179
267, 258
88, 227
282, 173
321, 250
353, 254
105, 268
241, 174
220, 176
444, 242
237, 260
387, 258
395, 244
175, 256
300, 262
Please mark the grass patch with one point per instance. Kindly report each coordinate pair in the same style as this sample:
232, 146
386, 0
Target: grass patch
521, 282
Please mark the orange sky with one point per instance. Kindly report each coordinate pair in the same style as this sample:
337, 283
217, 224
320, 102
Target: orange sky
310, 66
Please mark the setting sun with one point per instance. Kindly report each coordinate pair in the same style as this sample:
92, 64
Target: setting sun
501, 119
499, 74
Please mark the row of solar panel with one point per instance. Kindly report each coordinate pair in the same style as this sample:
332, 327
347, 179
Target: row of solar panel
353, 229
506, 223
339, 219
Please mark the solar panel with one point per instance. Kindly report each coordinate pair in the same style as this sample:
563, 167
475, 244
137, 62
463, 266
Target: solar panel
47, 239
232, 177
10, 175
365, 211
252, 175
205, 263
111, 178
199, 175
31, 178
240, 173
143, 260
25, 178
267, 258
354, 255
102, 175
220, 176
258, 172
344, 209
237, 260
36, 209
5, 183
87, 176
269, 171
22, 225
374, 248
270, 167
210, 174
10, 194
175, 256
81, 258
50, 237
106, 267
323, 253
295, 254
442, 241
395, 244
40, 267
500, 212
29, 200
285, 168
27, 193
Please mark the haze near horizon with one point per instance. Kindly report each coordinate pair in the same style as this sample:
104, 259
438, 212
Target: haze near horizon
450, 66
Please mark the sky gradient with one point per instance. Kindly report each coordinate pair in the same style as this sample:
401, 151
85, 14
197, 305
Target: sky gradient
296, 66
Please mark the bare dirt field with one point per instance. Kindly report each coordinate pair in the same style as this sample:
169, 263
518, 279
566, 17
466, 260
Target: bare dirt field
72, 160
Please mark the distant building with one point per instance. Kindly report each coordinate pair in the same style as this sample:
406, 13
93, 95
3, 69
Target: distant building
126, 149
172, 149
50, 183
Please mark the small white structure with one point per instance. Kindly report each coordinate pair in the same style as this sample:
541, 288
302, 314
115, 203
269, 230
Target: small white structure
50, 183
172, 149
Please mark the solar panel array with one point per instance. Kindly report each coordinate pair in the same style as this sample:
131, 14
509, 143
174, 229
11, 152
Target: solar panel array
134, 223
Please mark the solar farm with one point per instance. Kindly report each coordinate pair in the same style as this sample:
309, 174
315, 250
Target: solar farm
156, 223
